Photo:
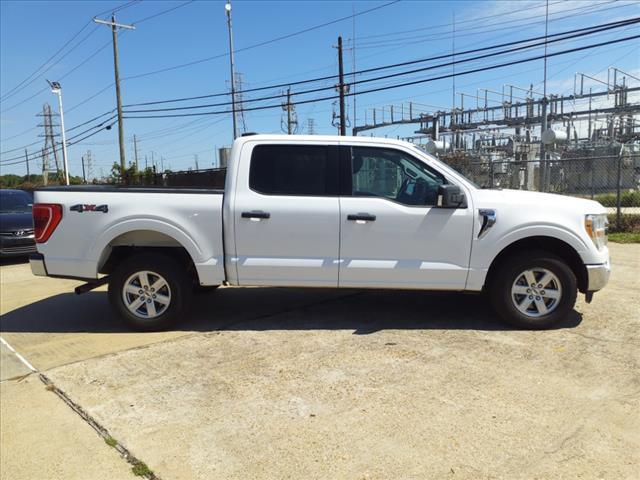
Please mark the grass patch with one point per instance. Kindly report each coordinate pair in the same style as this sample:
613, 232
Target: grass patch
140, 469
628, 223
112, 442
624, 237
629, 198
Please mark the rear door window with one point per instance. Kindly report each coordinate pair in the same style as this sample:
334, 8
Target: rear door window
306, 170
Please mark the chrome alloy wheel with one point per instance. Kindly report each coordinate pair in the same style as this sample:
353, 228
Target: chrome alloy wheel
146, 294
536, 292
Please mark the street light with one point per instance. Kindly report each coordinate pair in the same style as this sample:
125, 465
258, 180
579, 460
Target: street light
227, 7
57, 89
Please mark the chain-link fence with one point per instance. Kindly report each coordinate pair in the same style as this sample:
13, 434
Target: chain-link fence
612, 180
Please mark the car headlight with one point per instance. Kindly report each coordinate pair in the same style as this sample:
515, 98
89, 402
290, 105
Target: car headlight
597, 226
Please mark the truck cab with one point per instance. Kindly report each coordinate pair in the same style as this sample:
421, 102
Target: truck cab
330, 212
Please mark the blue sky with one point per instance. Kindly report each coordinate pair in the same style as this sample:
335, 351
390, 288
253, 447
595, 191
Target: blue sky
32, 31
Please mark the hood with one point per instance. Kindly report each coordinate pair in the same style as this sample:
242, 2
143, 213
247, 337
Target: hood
10, 222
514, 198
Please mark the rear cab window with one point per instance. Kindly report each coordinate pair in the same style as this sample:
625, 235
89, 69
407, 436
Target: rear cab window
300, 170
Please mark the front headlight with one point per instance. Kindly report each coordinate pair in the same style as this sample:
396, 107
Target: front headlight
597, 226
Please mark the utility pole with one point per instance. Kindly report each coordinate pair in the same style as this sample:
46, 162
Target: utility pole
289, 131
343, 123
114, 35
292, 121
45, 167
353, 64
153, 160
241, 124
227, 8
89, 167
543, 124
135, 151
49, 137
195, 158
161, 164
84, 175
26, 156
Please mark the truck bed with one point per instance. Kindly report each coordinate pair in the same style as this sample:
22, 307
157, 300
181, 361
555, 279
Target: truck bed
96, 219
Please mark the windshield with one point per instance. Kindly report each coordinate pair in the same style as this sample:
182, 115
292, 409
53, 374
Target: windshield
15, 202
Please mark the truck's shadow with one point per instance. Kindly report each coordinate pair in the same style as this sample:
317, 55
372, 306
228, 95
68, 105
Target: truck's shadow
363, 311
13, 260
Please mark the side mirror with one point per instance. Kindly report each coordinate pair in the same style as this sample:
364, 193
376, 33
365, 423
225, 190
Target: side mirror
450, 196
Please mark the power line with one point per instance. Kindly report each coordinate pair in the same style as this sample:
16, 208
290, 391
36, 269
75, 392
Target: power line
69, 141
60, 78
18, 134
111, 84
588, 30
430, 36
88, 99
117, 9
36, 75
57, 148
395, 65
389, 87
382, 51
162, 12
449, 24
122, 7
14, 90
8, 93
582, 32
260, 44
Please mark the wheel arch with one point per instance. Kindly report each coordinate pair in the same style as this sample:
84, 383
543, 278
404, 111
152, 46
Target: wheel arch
553, 245
123, 245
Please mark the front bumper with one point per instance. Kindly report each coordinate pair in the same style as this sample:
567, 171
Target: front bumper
38, 268
598, 276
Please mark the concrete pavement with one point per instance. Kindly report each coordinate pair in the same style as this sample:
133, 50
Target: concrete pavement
42, 438
300, 383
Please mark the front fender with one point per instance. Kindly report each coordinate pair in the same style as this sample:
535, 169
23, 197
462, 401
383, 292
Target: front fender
488, 248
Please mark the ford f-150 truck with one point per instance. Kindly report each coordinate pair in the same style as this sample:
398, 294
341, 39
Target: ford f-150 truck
324, 211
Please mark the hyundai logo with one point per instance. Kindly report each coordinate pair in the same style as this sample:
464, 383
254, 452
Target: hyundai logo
19, 233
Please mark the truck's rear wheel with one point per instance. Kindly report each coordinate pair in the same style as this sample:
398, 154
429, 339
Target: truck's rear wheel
150, 291
534, 289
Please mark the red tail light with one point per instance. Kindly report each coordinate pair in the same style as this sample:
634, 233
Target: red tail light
46, 217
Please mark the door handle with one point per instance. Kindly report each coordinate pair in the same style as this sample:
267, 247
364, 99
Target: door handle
362, 217
258, 214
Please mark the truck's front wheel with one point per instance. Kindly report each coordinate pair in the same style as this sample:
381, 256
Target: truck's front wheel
149, 291
534, 289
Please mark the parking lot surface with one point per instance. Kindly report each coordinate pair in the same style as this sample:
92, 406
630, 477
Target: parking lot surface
299, 383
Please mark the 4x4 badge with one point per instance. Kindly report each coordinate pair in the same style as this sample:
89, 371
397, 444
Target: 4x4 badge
89, 208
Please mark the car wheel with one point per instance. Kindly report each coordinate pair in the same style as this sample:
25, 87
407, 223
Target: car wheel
150, 291
533, 290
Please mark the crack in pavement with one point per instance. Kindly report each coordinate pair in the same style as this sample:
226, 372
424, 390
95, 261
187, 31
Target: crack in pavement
124, 452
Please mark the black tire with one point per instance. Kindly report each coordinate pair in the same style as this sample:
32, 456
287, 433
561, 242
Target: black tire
179, 287
503, 299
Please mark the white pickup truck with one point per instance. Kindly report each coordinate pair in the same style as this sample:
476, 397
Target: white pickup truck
324, 211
